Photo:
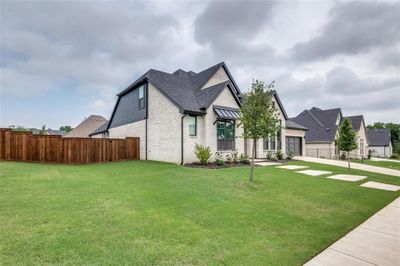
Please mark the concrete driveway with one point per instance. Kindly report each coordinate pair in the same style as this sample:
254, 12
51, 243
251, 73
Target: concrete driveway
359, 166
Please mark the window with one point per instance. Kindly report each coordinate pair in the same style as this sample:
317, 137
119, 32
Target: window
141, 97
279, 138
266, 144
225, 135
272, 143
192, 125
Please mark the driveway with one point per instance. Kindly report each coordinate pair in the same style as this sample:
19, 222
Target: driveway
358, 166
374, 242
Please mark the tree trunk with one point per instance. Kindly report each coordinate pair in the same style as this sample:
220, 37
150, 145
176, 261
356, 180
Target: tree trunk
252, 161
348, 158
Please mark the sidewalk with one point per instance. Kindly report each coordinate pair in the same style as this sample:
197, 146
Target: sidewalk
384, 160
375, 242
359, 166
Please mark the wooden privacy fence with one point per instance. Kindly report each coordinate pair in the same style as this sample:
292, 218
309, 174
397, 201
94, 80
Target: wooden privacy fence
23, 146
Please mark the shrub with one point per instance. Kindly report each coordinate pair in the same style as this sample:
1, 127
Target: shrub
279, 155
369, 154
290, 155
203, 153
274, 158
343, 156
234, 155
269, 155
219, 160
394, 156
228, 158
244, 159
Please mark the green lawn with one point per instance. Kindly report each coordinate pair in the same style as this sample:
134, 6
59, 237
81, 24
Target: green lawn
156, 213
386, 164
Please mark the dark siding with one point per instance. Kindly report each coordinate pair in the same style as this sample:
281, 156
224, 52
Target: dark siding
127, 110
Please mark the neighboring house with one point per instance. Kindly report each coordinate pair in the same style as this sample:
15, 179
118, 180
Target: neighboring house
379, 141
323, 127
323, 131
49, 131
86, 127
172, 112
362, 140
56, 132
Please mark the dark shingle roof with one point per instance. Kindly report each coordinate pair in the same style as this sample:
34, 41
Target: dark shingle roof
321, 124
100, 129
378, 136
355, 121
293, 125
185, 88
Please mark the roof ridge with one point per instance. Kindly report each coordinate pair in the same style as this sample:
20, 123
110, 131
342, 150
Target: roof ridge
315, 118
212, 73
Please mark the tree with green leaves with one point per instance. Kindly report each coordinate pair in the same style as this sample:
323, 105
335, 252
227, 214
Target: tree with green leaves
43, 130
347, 138
66, 128
258, 116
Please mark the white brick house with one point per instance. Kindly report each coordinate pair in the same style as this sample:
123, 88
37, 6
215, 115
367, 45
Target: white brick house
172, 112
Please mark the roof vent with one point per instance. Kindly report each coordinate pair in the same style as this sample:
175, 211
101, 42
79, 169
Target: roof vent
327, 129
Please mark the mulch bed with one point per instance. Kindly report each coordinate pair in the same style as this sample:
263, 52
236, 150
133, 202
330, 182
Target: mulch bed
215, 166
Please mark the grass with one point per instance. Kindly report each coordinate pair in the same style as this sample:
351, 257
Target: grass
149, 213
386, 164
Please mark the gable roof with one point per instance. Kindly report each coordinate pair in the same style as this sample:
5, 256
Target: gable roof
356, 121
378, 137
86, 127
185, 89
321, 124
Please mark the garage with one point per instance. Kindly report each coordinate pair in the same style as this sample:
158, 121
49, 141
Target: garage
293, 144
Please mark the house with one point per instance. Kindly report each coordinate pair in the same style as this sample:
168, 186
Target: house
323, 127
362, 140
323, 131
56, 132
379, 141
170, 112
86, 127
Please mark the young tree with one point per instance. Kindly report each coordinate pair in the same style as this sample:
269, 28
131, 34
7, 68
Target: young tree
258, 116
347, 138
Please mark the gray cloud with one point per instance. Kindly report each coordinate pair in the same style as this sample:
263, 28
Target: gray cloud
353, 28
96, 45
341, 80
230, 29
96, 49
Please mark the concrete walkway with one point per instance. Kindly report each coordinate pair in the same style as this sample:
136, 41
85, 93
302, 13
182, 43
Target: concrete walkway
384, 160
359, 166
374, 242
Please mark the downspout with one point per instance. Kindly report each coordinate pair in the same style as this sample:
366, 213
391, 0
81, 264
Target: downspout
182, 117
147, 114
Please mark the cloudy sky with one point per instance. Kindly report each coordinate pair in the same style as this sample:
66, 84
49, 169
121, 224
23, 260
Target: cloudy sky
62, 61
